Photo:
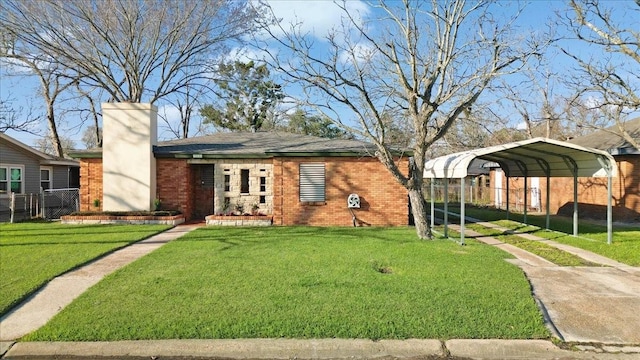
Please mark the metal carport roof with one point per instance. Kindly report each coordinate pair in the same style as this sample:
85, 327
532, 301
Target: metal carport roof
538, 157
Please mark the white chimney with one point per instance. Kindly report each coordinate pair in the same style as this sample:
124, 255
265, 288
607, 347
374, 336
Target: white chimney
130, 131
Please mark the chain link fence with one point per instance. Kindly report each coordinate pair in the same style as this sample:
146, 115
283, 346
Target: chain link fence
50, 204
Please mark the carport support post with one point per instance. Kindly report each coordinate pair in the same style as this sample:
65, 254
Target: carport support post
548, 197
609, 211
433, 211
507, 180
526, 195
446, 207
575, 203
461, 211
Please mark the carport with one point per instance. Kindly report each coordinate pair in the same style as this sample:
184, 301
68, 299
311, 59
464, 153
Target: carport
538, 157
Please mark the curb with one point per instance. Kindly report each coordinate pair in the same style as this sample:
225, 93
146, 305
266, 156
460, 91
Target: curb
318, 349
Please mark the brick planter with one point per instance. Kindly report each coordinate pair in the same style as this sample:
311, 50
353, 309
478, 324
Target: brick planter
129, 219
239, 220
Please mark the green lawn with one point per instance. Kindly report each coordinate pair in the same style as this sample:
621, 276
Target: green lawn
592, 237
304, 282
33, 253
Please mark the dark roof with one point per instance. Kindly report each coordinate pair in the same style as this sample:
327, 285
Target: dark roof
254, 145
261, 144
609, 140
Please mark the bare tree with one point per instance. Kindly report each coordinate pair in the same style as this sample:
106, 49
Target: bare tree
53, 82
92, 136
609, 81
47, 145
424, 61
133, 49
186, 105
535, 104
17, 118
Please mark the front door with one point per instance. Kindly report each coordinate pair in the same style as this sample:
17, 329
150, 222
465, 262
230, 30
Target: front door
203, 191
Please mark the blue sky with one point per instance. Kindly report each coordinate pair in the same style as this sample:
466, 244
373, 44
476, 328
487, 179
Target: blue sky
317, 17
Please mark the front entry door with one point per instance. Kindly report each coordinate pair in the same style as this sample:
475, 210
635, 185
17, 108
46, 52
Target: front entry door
203, 191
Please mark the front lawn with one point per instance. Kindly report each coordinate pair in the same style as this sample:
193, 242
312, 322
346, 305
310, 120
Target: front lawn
31, 254
303, 282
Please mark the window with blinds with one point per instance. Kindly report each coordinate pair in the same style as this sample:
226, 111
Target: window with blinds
312, 182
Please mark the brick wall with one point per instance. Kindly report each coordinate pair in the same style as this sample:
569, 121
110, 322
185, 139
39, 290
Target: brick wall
384, 200
90, 184
175, 185
592, 193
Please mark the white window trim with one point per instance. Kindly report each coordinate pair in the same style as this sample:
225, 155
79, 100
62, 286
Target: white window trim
50, 169
9, 167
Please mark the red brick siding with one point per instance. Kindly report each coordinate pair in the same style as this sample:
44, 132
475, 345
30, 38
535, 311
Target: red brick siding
591, 191
174, 185
384, 200
90, 184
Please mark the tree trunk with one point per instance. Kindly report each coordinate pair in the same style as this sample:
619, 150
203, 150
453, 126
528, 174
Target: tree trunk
53, 132
419, 211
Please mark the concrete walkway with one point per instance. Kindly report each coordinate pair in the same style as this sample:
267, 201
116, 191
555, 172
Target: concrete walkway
39, 308
598, 304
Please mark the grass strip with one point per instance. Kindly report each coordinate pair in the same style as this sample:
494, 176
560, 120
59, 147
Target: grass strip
31, 254
305, 282
545, 251
625, 247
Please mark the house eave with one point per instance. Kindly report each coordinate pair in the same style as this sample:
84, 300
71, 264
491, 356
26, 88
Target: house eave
60, 162
267, 155
86, 154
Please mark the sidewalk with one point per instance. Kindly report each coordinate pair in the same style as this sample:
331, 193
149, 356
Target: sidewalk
39, 308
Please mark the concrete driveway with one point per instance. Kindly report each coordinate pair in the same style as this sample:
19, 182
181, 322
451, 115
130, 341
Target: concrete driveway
590, 304
599, 304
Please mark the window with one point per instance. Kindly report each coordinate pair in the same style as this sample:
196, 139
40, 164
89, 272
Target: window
244, 181
3, 180
11, 178
45, 178
227, 183
263, 184
312, 182
263, 199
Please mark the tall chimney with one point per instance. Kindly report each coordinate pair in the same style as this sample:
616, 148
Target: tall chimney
130, 131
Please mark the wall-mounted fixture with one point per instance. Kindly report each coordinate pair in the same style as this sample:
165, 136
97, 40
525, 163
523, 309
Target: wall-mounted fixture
353, 201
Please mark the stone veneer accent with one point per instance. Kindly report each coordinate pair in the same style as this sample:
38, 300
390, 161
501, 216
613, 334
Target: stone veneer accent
221, 220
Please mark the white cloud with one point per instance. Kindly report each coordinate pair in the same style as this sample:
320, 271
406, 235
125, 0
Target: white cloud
522, 126
316, 17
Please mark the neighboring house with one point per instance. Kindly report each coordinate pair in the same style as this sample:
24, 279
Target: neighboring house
592, 192
24, 170
293, 179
